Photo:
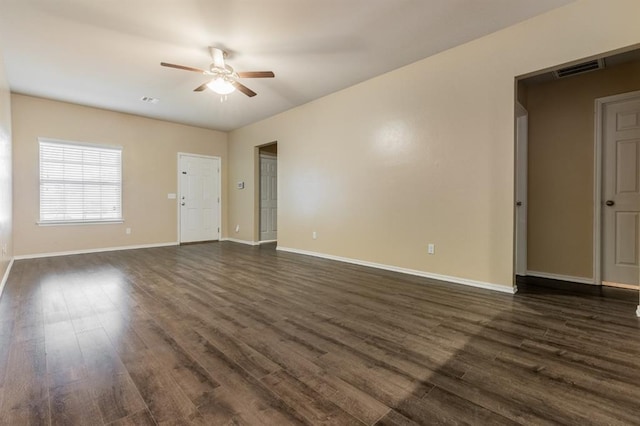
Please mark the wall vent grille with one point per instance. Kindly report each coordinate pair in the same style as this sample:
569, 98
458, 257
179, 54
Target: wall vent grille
581, 68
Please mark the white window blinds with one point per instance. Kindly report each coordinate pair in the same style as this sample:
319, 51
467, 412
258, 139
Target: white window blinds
80, 183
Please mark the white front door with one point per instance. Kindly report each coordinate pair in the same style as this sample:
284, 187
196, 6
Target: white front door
268, 198
521, 189
199, 198
621, 191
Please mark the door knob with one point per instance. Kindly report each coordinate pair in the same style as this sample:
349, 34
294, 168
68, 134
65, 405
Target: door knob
183, 203
610, 203
518, 203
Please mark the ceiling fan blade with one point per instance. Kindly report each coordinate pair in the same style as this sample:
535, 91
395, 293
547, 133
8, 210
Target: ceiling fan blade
256, 74
182, 67
201, 87
244, 89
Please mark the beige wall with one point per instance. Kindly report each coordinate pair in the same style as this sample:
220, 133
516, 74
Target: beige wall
149, 159
424, 154
6, 226
561, 167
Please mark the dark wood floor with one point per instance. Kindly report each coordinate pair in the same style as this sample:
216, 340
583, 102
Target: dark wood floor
221, 333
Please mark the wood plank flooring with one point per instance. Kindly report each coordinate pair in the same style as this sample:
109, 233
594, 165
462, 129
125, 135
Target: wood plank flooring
220, 333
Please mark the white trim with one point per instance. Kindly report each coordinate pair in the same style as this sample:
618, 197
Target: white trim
638, 311
80, 222
521, 111
96, 250
597, 185
580, 280
5, 278
597, 193
267, 241
235, 240
178, 196
455, 280
520, 213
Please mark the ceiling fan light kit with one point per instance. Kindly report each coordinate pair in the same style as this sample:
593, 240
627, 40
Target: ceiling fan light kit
224, 80
221, 86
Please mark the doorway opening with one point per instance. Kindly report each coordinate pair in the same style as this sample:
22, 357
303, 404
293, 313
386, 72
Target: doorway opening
566, 174
268, 193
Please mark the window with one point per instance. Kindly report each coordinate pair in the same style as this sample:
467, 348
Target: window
79, 183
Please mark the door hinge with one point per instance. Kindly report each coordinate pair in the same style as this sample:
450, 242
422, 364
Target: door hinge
218, 200
218, 230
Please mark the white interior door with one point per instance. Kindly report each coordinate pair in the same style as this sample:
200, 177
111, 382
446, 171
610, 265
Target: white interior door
268, 198
521, 189
621, 191
199, 198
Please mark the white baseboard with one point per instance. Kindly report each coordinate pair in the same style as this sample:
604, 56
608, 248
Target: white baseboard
579, 280
267, 241
447, 278
235, 240
5, 278
96, 250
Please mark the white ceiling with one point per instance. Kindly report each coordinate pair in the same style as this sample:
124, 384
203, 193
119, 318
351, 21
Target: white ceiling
107, 53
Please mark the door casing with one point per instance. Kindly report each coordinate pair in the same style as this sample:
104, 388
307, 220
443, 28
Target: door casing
520, 245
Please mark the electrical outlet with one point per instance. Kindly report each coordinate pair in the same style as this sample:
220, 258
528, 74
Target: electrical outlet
237, 228
127, 231
314, 235
431, 249
4, 249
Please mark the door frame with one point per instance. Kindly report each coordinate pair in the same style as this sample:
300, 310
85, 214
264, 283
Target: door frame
178, 192
520, 256
256, 189
262, 155
600, 103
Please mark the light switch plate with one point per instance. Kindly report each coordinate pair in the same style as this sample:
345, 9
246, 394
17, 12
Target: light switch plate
171, 196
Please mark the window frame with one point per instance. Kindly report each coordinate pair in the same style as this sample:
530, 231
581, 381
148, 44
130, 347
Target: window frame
51, 141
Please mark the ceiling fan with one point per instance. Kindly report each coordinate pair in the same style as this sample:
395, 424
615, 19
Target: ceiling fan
224, 79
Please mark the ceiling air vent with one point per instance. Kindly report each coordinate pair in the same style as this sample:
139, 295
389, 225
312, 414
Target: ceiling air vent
149, 100
596, 64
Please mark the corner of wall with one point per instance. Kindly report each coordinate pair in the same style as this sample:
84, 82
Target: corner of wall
6, 179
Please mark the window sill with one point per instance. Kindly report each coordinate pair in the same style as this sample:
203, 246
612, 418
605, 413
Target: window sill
84, 222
